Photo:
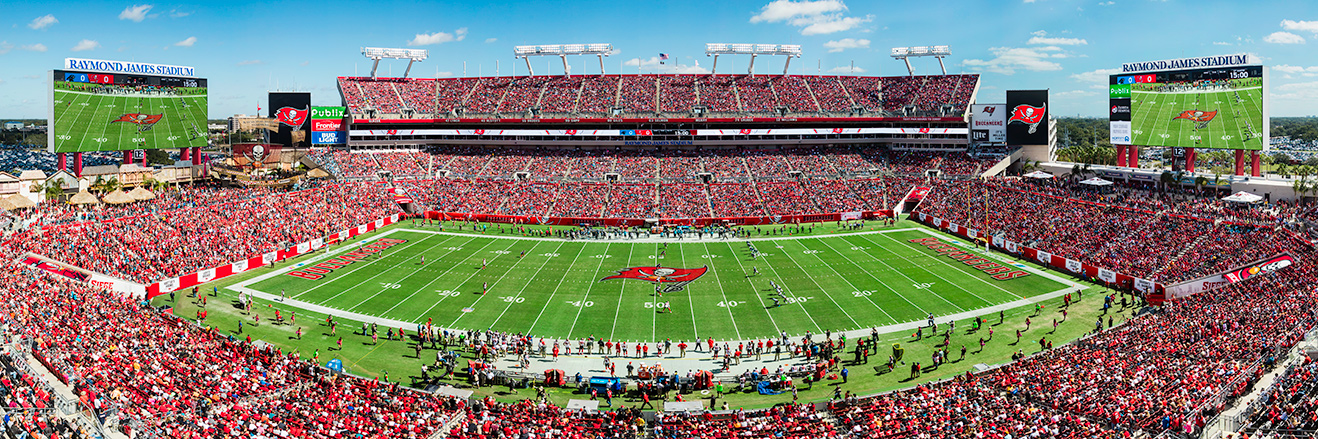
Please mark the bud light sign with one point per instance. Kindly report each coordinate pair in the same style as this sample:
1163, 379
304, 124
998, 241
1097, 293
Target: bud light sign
328, 138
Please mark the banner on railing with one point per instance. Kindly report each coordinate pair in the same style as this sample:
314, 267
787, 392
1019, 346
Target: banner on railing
82, 275
1208, 283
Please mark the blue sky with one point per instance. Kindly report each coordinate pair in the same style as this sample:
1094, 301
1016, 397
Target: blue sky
247, 48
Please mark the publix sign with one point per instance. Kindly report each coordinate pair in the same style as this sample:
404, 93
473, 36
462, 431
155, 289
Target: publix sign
327, 112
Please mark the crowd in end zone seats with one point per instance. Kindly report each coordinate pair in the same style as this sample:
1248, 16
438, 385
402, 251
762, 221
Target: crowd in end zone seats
1290, 410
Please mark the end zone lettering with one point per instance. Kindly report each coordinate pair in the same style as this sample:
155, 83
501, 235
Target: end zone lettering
318, 271
995, 270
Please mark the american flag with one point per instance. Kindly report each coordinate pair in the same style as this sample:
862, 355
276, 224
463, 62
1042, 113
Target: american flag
663, 57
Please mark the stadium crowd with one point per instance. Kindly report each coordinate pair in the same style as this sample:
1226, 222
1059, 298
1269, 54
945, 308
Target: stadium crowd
638, 95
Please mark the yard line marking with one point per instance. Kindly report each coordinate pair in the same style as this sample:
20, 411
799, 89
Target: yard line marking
618, 310
724, 293
769, 266
853, 286
395, 267
821, 288
355, 269
946, 262
555, 291
583, 298
900, 273
689, 301
400, 282
440, 276
528, 283
776, 329
496, 282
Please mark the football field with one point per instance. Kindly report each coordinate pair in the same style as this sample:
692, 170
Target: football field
94, 122
557, 289
1174, 119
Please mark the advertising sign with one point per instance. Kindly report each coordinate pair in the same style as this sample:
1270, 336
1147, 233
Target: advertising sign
990, 117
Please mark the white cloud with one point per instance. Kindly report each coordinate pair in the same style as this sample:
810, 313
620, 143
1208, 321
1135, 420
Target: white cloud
445, 74
820, 17
845, 70
136, 13
1289, 71
847, 43
1057, 41
1009, 59
1283, 38
175, 13
5, 47
438, 38
490, 40
652, 65
43, 22
1222, 43
1095, 78
34, 47
250, 62
1107, 3
1305, 91
188, 42
1076, 93
85, 45
305, 63
1039, 33
1302, 26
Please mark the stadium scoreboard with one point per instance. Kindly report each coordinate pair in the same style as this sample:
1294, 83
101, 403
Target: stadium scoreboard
1217, 105
111, 106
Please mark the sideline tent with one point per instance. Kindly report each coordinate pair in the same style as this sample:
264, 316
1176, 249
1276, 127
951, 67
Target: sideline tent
318, 173
1038, 174
1243, 198
1096, 182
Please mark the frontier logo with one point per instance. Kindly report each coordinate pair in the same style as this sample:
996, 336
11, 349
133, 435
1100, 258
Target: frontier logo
318, 271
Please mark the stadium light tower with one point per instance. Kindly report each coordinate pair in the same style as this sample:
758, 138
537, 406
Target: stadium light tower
788, 50
600, 50
378, 53
905, 54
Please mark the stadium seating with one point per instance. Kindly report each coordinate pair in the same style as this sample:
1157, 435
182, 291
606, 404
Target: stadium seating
675, 95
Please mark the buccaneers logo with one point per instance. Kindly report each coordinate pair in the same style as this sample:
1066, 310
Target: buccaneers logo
291, 116
1029, 115
144, 121
677, 278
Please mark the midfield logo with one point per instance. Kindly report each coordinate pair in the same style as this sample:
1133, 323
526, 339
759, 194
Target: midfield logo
677, 278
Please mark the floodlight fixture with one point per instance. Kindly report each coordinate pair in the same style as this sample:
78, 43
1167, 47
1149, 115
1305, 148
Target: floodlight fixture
376, 54
905, 54
562, 51
788, 50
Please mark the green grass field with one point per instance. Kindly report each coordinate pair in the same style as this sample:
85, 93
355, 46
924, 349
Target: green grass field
885, 265
86, 122
837, 283
1154, 123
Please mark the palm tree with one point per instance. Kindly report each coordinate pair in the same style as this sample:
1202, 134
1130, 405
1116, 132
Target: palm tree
1300, 186
112, 185
53, 188
98, 185
1177, 178
1199, 183
1165, 179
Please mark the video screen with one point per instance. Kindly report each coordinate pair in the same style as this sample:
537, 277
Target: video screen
1220, 108
110, 112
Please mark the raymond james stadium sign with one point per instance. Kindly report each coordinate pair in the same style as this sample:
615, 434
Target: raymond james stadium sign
127, 67
1187, 63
